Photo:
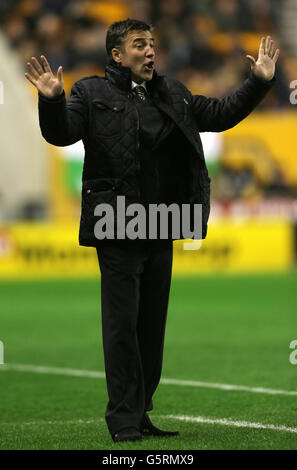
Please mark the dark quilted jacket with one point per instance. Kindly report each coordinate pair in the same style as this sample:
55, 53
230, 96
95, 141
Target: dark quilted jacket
100, 111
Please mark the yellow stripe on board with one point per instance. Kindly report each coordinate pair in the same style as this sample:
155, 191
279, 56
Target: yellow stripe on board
48, 250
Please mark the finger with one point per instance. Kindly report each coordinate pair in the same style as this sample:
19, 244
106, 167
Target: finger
32, 70
275, 55
252, 59
267, 45
60, 73
261, 48
37, 65
46, 65
271, 49
28, 77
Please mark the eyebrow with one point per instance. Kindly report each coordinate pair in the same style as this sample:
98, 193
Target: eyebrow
143, 39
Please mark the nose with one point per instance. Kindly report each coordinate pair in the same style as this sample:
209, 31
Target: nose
150, 53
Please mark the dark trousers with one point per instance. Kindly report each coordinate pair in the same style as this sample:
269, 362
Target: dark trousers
135, 285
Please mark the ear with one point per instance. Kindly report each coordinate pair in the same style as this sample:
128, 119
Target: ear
116, 55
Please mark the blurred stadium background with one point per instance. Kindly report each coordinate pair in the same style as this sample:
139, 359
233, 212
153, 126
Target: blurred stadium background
249, 314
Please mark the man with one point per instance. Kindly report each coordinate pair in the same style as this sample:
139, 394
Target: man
141, 137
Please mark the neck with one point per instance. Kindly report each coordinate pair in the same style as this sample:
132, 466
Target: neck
137, 79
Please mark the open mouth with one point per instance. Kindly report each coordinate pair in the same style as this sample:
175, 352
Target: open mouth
149, 66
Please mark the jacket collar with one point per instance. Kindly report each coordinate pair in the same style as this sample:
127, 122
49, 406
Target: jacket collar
134, 84
121, 77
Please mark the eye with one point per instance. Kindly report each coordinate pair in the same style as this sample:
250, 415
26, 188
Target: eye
141, 46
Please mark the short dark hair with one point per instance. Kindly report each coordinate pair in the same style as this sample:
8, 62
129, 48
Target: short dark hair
118, 31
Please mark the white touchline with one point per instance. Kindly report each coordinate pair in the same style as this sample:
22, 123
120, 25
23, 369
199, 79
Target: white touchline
240, 388
191, 419
54, 423
229, 422
53, 370
101, 375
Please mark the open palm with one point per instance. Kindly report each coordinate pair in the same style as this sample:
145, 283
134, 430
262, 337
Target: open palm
44, 79
264, 67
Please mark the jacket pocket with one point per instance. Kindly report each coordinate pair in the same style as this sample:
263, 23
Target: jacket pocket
107, 118
101, 185
98, 191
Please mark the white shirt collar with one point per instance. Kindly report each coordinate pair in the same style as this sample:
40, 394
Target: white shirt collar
134, 84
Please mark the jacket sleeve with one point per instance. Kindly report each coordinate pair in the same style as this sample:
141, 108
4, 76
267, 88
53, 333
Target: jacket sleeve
217, 115
63, 122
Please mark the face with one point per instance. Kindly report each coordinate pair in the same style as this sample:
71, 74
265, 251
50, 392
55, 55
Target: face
137, 53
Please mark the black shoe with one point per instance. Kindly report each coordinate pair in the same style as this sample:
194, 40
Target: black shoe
127, 434
148, 429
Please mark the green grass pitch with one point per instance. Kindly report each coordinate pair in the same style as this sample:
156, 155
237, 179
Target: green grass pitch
220, 329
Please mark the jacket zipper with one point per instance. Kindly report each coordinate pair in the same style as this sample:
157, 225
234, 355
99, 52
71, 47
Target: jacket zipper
137, 140
137, 147
137, 122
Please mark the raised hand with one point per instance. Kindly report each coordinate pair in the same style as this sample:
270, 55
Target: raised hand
43, 78
265, 66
